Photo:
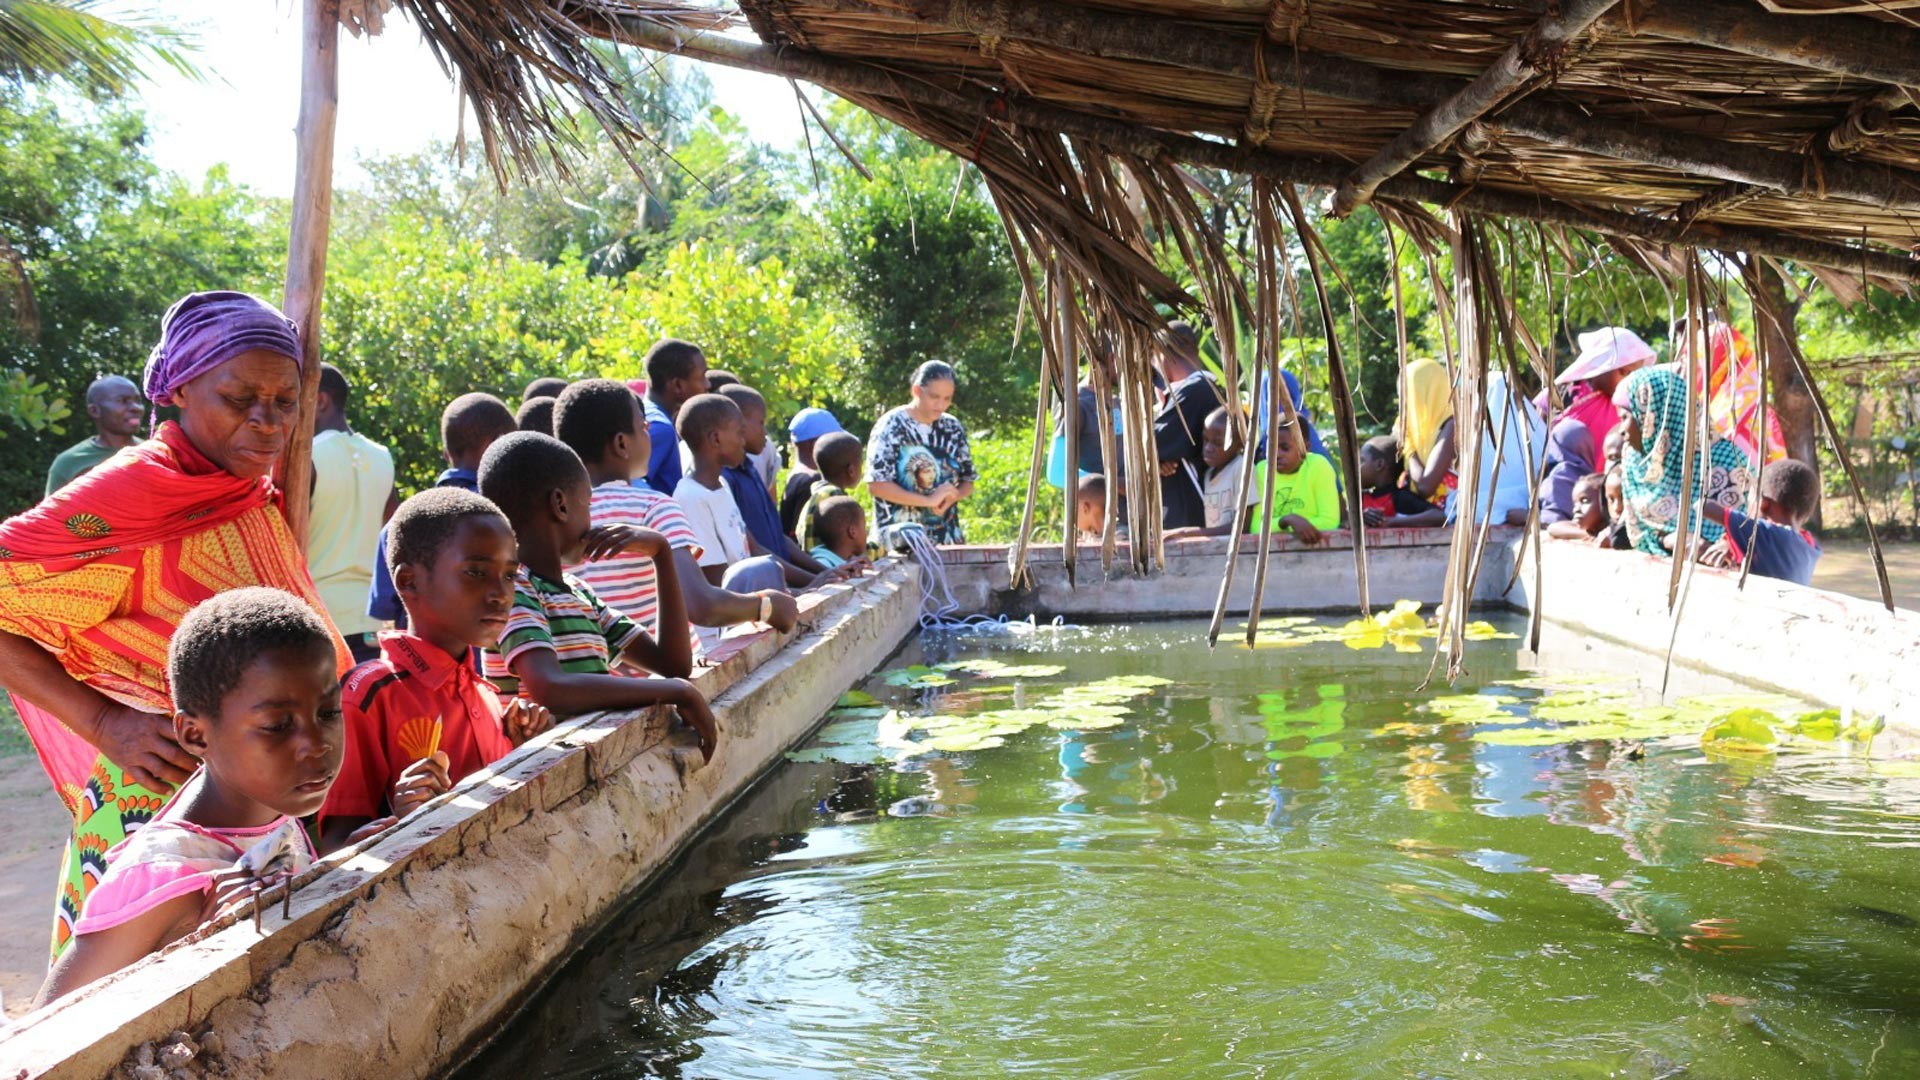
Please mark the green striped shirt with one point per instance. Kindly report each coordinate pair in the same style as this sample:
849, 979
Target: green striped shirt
564, 617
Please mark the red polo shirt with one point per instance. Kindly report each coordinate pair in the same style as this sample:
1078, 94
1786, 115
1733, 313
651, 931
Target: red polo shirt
391, 704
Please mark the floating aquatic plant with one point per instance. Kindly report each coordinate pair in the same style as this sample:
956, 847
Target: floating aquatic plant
861, 734
1473, 708
925, 677
1402, 627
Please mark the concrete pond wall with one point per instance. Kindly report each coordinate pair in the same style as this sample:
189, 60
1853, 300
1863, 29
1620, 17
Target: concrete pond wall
403, 956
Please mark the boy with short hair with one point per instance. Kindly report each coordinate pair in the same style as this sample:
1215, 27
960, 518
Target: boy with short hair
1306, 501
731, 558
808, 427
676, 372
560, 642
751, 492
535, 415
468, 425
1384, 503
841, 458
1089, 510
602, 421
546, 386
418, 719
1614, 535
843, 532
256, 694
1777, 542
1224, 456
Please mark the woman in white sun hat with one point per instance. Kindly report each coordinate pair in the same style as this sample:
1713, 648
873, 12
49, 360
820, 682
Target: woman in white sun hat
1607, 356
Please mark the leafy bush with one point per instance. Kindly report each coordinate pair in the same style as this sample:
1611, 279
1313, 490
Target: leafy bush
106, 242
992, 516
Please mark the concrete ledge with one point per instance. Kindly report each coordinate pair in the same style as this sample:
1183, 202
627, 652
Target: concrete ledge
402, 955
1402, 564
1836, 650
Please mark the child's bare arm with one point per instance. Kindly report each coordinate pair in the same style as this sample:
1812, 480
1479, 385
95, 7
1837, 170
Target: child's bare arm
672, 654
92, 957
568, 693
1566, 530
1715, 512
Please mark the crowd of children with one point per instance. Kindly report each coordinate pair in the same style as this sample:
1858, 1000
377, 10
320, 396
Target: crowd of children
545, 575
581, 553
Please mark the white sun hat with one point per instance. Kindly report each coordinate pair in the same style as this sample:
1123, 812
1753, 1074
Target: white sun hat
1606, 349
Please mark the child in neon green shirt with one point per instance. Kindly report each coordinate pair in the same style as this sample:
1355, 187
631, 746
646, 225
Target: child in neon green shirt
1305, 498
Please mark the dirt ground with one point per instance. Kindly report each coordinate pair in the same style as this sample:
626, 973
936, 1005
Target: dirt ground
37, 823
1847, 567
36, 828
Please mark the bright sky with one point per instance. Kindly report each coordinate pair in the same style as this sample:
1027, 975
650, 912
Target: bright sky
393, 96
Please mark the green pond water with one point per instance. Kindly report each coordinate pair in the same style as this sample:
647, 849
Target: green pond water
1276, 863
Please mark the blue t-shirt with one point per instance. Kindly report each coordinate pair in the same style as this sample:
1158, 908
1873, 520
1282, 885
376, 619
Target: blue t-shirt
756, 508
1775, 550
663, 464
383, 600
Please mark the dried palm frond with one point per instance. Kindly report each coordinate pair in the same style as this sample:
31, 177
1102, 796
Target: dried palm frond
524, 66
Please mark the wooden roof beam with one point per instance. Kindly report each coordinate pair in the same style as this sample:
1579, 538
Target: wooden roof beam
1511, 75
1855, 45
857, 78
1156, 39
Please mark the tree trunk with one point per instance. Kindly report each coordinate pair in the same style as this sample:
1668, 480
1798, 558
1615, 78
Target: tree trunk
1787, 392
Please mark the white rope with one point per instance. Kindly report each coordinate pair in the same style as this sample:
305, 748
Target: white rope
938, 608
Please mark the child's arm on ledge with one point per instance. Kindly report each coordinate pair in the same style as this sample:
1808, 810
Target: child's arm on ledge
569, 693
672, 654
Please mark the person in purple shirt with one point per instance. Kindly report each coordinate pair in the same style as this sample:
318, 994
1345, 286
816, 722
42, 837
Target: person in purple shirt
1777, 542
676, 371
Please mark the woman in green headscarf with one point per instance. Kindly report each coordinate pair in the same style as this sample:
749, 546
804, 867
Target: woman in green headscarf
1653, 405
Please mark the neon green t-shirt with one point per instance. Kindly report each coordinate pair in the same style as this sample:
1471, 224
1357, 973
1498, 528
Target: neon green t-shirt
1309, 492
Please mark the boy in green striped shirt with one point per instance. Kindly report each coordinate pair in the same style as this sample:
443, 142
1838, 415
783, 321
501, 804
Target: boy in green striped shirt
560, 642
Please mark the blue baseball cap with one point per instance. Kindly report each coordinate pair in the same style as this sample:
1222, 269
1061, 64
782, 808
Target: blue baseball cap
811, 424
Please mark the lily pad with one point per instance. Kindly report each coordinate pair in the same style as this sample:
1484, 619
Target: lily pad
1743, 731
1472, 708
995, 669
918, 677
1571, 680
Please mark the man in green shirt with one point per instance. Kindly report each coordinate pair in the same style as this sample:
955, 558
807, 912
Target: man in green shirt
114, 406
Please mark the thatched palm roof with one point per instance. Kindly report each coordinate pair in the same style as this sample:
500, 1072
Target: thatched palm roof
1761, 125
1788, 129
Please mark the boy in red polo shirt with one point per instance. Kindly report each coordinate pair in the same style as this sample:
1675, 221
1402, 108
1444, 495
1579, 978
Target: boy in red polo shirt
418, 718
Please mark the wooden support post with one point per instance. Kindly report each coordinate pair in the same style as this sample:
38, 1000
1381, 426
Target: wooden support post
1523, 61
307, 240
852, 78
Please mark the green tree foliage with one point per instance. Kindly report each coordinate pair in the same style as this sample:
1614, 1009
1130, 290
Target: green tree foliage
918, 256
416, 317
106, 242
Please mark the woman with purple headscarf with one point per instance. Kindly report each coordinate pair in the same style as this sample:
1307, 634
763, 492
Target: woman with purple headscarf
95, 579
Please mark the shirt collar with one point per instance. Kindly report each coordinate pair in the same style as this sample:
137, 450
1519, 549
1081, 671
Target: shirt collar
465, 478
420, 658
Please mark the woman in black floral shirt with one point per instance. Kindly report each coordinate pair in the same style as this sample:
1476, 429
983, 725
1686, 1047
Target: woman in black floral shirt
919, 463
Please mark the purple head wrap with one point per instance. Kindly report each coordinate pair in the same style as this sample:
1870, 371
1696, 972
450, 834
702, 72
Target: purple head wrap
203, 330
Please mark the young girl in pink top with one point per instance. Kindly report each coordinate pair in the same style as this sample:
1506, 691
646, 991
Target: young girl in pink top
257, 700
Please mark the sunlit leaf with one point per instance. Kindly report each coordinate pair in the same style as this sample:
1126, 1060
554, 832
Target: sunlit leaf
1743, 731
1472, 708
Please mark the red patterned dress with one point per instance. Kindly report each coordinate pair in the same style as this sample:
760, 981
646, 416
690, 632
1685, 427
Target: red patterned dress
100, 574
